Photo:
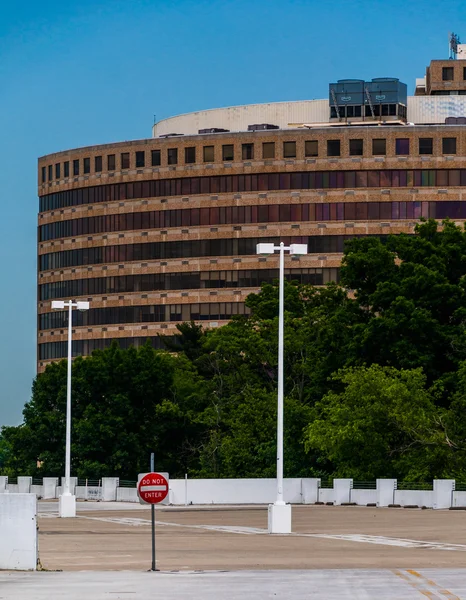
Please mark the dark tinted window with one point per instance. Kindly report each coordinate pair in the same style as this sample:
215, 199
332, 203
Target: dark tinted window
333, 147
447, 73
140, 159
289, 149
190, 155
44, 174
172, 156
379, 147
155, 158
402, 146
98, 164
76, 167
66, 168
426, 145
111, 166
87, 165
311, 148
125, 160
356, 147
449, 145
57, 171
247, 151
228, 152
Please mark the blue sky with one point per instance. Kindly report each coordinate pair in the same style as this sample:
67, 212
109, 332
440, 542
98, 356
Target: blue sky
80, 73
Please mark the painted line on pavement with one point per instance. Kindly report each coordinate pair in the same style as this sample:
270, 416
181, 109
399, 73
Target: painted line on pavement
358, 538
425, 586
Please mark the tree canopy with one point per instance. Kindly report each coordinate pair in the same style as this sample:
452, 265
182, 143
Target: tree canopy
375, 381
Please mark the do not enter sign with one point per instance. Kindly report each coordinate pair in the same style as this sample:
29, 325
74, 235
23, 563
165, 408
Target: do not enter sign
152, 488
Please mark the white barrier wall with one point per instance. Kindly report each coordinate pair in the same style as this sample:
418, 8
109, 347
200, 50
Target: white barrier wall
18, 528
259, 491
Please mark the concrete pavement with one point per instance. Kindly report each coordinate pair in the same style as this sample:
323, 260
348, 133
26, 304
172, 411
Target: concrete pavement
260, 585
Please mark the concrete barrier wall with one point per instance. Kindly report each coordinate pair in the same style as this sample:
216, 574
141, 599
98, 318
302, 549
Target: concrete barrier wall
18, 532
258, 491
364, 497
414, 498
127, 495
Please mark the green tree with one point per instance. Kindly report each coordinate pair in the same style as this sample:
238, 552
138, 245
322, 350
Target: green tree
384, 423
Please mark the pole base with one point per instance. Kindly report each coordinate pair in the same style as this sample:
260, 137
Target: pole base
279, 518
67, 506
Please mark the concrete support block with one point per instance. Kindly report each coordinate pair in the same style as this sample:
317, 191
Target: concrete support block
18, 527
342, 491
49, 486
67, 506
386, 491
24, 485
109, 488
3, 484
443, 493
73, 484
310, 490
279, 518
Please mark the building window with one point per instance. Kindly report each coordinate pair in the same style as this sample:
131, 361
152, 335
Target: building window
333, 147
356, 147
311, 148
87, 165
402, 146
140, 159
57, 171
111, 162
268, 150
44, 174
50, 172
426, 145
155, 158
66, 169
464, 73
172, 156
228, 152
447, 74
289, 149
98, 164
76, 167
449, 145
190, 155
247, 151
379, 147
208, 153
125, 160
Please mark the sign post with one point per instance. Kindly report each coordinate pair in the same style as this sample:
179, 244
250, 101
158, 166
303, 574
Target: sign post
152, 489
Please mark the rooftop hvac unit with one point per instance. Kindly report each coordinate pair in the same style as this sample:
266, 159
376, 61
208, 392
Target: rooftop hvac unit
165, 135
455, 121
213, 130
262, 127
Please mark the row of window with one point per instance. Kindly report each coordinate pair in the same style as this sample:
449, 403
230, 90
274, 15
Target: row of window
54, 350
194, 280
262, 182
289, 150
209, 311
268, 213
186, 249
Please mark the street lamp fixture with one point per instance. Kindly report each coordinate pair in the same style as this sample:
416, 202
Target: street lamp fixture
67, 500
280, 513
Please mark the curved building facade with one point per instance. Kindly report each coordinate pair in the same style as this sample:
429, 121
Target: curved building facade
164, 230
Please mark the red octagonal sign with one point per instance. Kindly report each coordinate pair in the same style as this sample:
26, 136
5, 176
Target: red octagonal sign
153, 488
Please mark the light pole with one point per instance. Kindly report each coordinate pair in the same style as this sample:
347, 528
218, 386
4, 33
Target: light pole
279, 512
67, 501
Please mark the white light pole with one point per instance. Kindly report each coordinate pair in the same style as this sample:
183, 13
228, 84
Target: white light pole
67, 501
279, 512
